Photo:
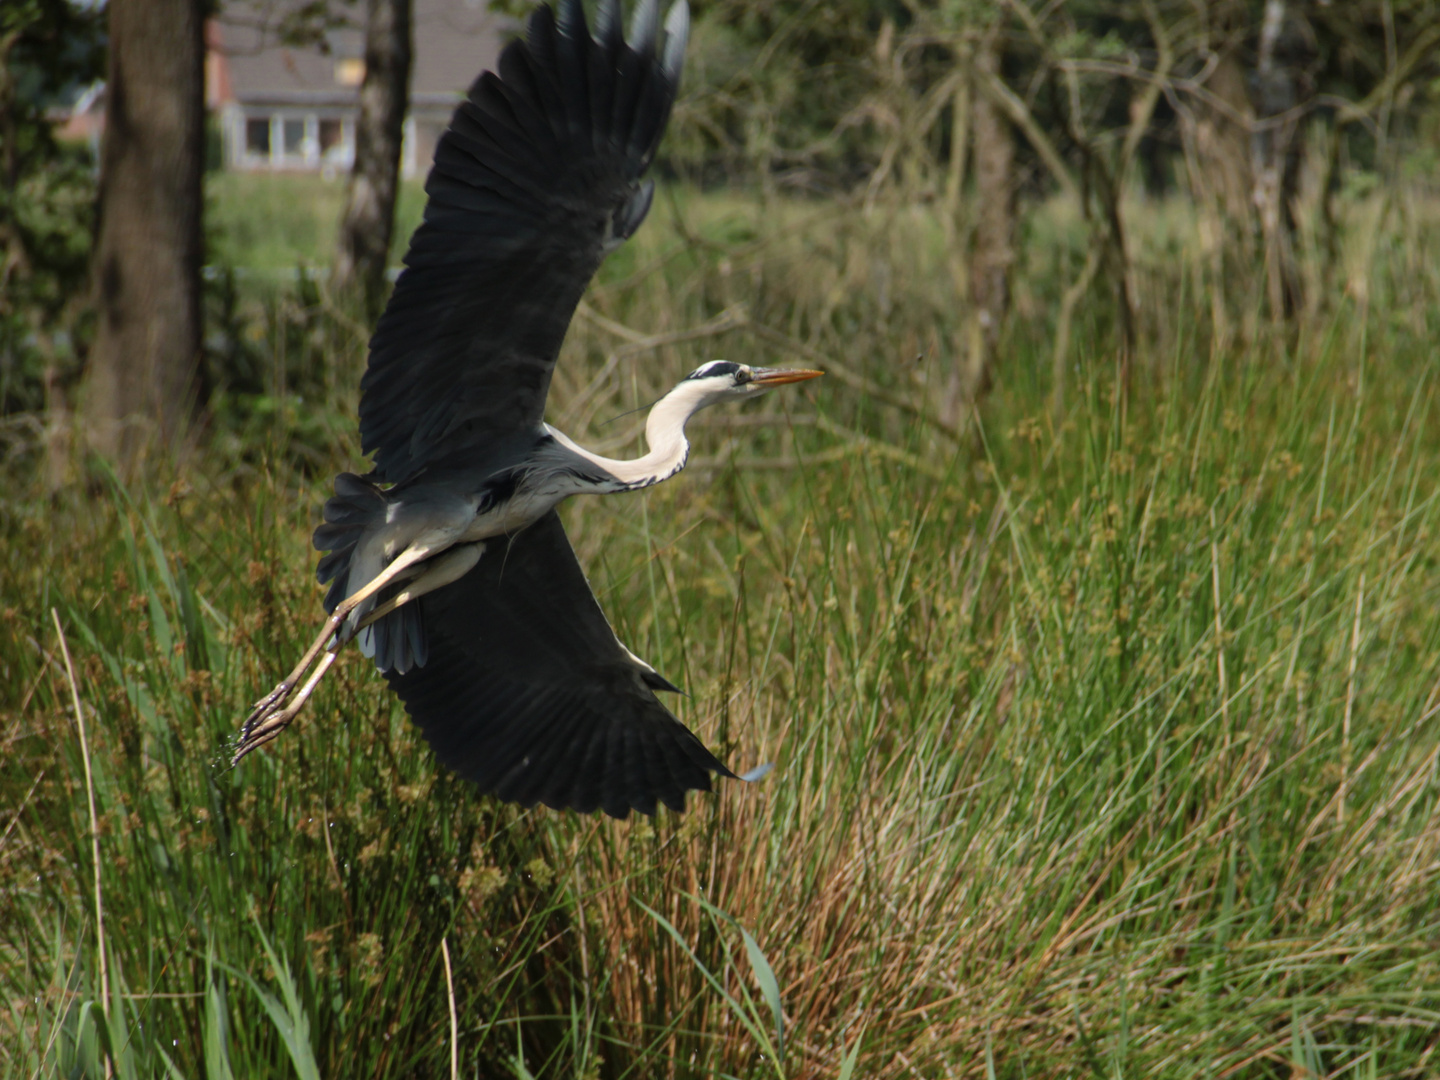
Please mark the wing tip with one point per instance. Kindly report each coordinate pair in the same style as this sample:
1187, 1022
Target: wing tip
677, 35
570, 19
644, 24
608, 30
759, 772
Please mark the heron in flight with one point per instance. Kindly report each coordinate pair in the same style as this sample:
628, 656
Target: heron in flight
447, 562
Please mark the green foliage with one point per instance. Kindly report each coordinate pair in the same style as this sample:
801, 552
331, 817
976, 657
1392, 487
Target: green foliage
268, 225
1105, 741
281, 354
288, 1016
822, 96
743, 1008
49, 51
770, 89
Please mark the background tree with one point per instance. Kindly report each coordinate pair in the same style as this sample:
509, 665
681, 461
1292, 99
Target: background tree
144, 371
369, 220
993, 253
1281, 92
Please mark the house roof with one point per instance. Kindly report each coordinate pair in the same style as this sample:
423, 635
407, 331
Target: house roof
454, 41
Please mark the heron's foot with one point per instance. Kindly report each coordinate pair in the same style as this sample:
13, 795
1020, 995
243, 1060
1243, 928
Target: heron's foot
277, 709
266, 720
264, 726
266, 705
273, 713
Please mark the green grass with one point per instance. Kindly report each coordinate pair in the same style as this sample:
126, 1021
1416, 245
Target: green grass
273, 223
1106, 743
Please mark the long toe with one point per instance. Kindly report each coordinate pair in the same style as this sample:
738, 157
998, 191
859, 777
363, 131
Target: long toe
269, 699
267, 727
266, 706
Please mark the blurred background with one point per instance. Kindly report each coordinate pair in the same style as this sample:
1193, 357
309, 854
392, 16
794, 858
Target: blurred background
1089, 605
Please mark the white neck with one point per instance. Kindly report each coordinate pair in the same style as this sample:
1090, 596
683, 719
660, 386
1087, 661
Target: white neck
664, 433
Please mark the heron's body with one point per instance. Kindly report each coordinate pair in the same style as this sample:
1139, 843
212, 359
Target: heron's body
448, 559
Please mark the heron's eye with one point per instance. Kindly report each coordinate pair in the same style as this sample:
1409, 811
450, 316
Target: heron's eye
742, 377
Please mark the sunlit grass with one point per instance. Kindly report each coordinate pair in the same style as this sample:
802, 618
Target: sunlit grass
1105, 741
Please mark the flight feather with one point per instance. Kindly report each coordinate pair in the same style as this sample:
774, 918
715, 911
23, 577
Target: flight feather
538, 176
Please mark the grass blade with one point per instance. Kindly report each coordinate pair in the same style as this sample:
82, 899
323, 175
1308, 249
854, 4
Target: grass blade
769, 987
289, 1018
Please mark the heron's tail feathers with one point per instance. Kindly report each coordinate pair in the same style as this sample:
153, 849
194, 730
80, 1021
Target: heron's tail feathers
356, 505
396, 642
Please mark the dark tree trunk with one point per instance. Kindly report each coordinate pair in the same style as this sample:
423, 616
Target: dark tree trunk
369, 219
143, 380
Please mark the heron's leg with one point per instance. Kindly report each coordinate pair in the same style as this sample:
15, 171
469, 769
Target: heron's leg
442, 570
406, 562
265, 724
274, 724
285, 685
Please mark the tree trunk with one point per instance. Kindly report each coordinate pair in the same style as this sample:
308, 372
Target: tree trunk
369, 219
1215, 132
1223, 136
144, 377
1276, 155
994, 249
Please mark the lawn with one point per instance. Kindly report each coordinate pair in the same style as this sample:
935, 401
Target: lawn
1105, 730
277, 223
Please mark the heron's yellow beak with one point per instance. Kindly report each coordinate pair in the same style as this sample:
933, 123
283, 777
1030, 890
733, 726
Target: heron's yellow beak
780, 376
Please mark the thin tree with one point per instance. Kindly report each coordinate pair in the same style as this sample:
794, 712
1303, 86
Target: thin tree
1276, 149
993, 253
369, 219
144, 369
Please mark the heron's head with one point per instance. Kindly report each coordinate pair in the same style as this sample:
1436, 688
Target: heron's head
721, 380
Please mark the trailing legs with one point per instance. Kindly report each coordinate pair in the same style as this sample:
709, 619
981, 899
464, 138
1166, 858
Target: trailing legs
431, 567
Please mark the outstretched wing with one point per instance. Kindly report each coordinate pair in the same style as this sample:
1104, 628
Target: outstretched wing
537, 177
528, 692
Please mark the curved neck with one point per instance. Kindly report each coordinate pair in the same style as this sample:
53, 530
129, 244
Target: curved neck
664, 434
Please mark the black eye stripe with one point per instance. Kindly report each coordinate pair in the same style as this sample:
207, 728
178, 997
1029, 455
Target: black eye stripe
715, 367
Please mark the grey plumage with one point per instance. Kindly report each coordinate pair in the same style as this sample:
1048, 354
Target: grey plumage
537, 178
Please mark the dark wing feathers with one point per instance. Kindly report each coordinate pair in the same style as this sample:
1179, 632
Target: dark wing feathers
527, 692
602, 81
538, 172
573, 47
677, 33
608, 30
643, 25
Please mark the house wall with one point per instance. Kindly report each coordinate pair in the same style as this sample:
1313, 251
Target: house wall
276, 138
287, 139
285, 107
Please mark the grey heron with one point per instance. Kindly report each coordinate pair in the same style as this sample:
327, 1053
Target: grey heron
447, 561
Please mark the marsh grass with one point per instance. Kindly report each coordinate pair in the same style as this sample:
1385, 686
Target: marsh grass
1106, 742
